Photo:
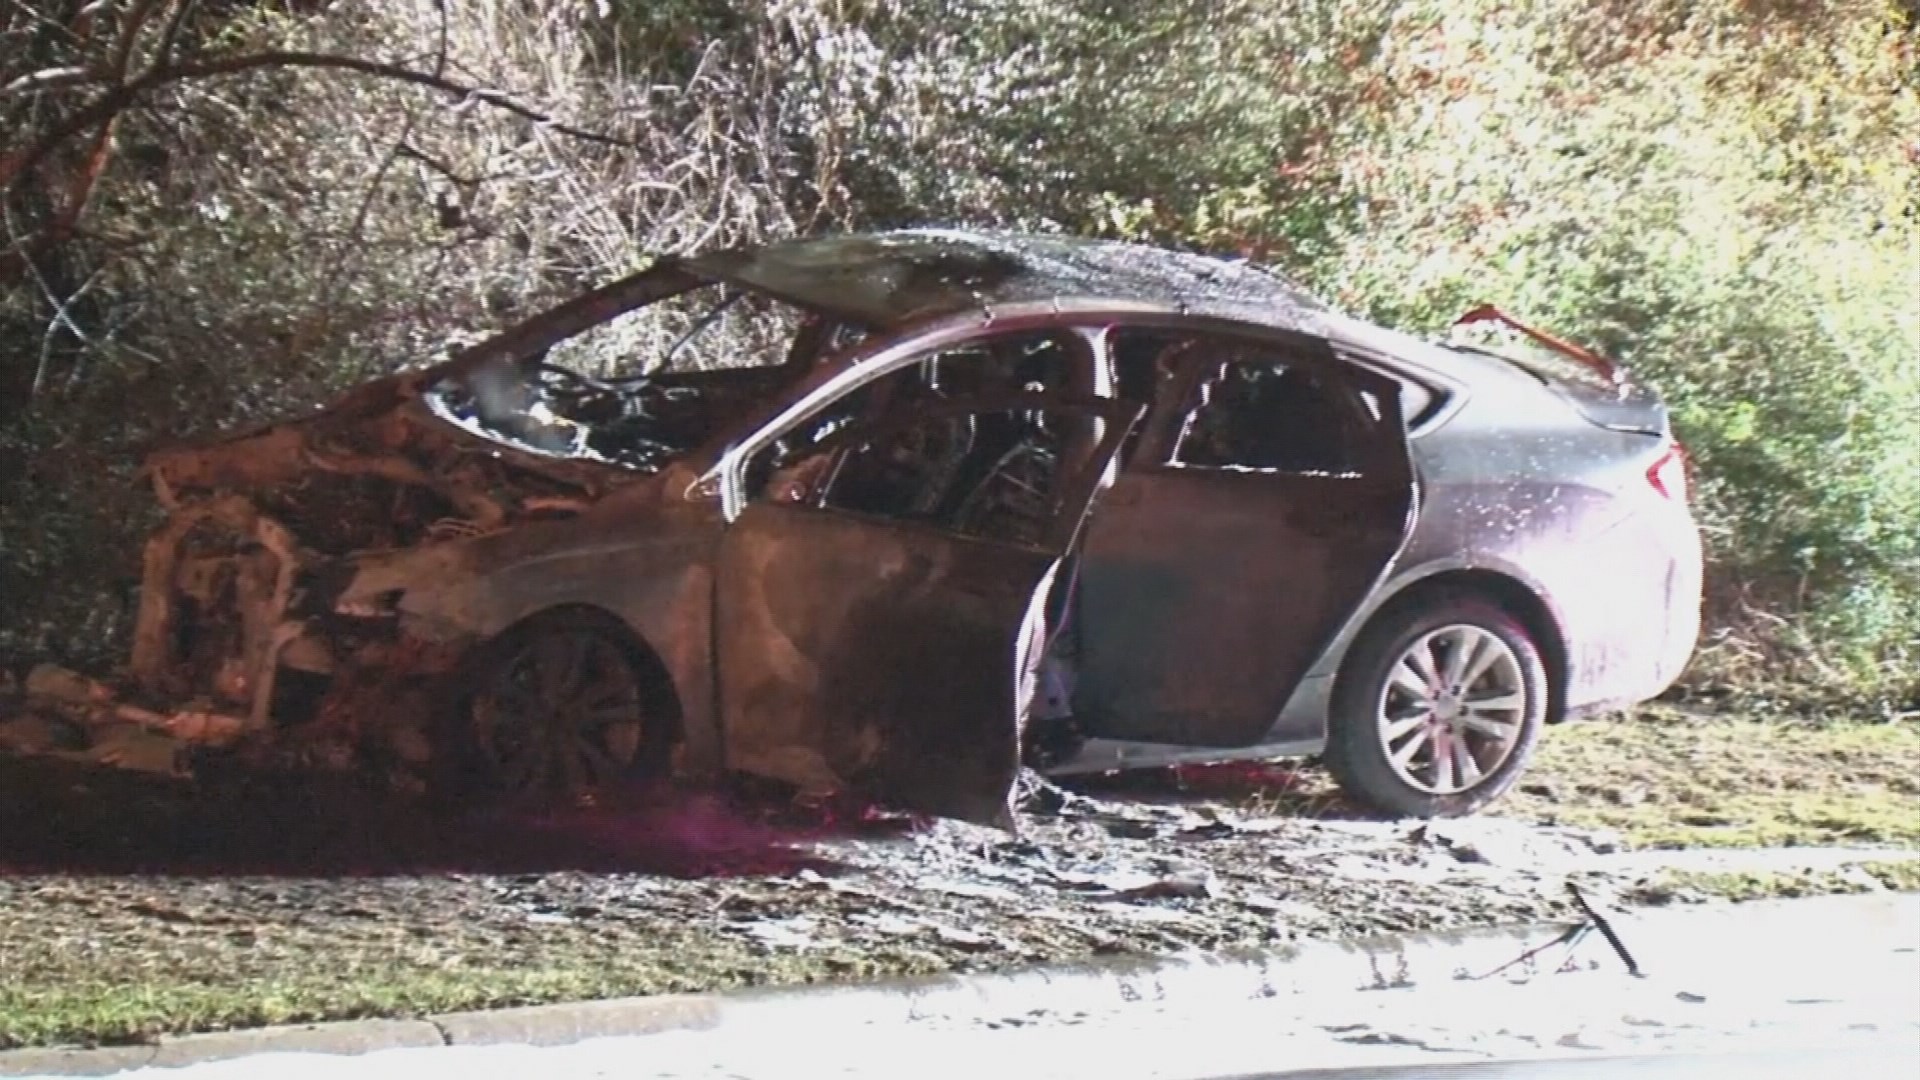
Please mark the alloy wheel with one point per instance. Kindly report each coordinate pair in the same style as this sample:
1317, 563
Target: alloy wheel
1452, 709
561, 715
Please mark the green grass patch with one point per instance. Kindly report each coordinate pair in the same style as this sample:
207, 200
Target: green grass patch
1667, 779
141, 992
1696, 885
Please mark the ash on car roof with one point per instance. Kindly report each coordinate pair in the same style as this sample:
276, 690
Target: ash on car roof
884, 279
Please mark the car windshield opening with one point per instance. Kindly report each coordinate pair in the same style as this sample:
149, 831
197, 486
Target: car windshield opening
643, 386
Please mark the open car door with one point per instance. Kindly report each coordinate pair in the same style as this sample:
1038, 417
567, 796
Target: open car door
876, 594
1266, 498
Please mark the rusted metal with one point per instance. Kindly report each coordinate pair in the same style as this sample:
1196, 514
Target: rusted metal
1607, 369
104, 716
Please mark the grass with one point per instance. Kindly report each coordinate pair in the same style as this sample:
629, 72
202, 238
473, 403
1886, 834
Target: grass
1668, 779
115, 1008
1674, 885
125, 1011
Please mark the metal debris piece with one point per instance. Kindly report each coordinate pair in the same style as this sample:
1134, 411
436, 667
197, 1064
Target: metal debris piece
1200, 886
1134, 885
57, 685
31, 734
973, 890
129, 746
886, 923
965, 939
103, 729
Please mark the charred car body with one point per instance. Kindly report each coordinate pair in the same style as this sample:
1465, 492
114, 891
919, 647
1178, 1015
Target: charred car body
897, 512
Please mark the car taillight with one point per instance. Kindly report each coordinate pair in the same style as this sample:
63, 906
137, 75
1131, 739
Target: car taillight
1668, 473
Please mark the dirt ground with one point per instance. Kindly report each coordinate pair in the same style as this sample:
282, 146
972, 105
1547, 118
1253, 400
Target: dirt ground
133, 905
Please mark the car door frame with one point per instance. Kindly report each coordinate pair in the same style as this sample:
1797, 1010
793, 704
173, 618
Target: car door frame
780, 749
1152, 453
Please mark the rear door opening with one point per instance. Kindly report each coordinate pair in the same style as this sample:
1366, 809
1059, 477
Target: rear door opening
1267, 495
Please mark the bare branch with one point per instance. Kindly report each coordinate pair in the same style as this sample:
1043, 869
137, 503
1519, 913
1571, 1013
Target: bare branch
99, 116
137, 17
120, 97
448, 172
440, 47
170, 36
49, 79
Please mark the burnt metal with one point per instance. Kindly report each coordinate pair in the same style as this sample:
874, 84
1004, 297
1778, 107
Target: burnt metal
561, 711
861, 650
889, 279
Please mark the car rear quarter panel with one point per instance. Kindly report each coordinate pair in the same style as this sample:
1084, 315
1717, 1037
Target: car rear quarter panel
1516, 484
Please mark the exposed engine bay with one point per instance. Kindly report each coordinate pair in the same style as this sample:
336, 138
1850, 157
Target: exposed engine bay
253, 574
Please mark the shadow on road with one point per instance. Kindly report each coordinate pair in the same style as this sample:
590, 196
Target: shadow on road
63, 817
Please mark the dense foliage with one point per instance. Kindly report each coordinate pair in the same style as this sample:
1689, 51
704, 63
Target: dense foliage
1723, 193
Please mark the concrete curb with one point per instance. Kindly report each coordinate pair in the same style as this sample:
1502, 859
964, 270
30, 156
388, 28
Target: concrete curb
1657, 937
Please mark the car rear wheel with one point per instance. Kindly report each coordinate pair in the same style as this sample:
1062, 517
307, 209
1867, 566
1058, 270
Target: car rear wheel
560, 711
1437, 709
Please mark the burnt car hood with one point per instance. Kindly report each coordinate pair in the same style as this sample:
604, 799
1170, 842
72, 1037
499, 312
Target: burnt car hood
378, 468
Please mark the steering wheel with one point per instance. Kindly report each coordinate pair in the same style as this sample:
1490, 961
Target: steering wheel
580, 397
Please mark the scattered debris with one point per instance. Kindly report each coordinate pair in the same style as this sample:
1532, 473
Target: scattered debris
56, 684
796, 932
1605, 928
66, 714
965, 939
36, 734
1512, 844
1571, 937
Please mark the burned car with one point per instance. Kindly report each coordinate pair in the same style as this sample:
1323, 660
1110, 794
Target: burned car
897, 513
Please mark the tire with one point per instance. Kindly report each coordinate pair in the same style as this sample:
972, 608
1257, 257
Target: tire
560, 708
1386, 739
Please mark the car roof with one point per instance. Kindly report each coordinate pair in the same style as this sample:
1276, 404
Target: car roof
885, 279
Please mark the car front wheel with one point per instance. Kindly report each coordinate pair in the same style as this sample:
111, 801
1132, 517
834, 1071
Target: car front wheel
1437, 709
559, 712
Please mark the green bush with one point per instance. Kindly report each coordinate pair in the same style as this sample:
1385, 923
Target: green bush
1725, 196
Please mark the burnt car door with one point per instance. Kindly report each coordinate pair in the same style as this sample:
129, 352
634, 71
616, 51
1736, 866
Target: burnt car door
1267, 495
877, 586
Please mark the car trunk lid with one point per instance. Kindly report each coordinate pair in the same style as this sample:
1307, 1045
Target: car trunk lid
1600, 389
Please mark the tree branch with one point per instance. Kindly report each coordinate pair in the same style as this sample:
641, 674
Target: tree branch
123, 95
100, 114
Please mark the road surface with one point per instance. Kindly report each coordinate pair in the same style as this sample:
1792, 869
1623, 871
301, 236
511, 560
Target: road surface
1827, 1004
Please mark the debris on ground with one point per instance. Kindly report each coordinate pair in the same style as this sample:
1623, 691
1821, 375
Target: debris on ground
330, 892
63, 713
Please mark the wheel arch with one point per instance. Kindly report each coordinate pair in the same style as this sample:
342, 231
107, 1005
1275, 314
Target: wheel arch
663, 694
1509, 594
